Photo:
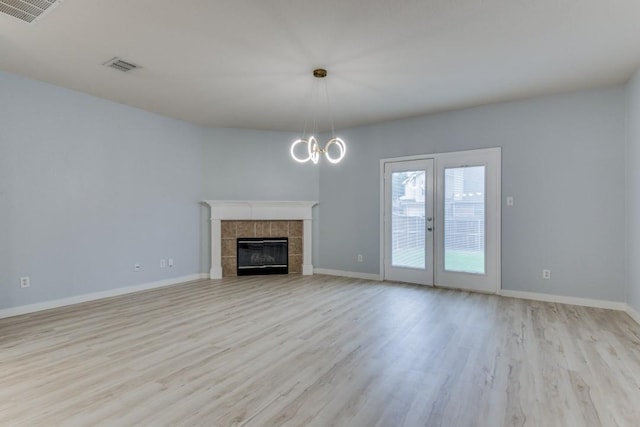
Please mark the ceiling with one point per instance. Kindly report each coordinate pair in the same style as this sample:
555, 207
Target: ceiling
247, 63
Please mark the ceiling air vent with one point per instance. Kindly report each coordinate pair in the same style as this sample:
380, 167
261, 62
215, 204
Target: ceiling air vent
121, 65
27, 10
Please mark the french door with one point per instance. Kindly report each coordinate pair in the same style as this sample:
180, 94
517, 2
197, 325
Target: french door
441, 217
408, 222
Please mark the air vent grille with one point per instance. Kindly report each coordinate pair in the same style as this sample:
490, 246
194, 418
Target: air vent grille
121, 65
26, 10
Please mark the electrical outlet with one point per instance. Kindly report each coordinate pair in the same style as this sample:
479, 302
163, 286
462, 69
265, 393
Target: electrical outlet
170, 262
25, 282
163, 263
136, 267
546, 274
360, 258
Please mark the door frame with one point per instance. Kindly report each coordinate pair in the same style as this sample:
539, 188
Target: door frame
495, 151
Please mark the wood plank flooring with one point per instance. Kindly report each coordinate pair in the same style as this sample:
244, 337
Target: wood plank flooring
319, 351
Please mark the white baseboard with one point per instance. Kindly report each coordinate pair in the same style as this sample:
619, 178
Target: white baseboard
633, 314
585, 302
32, 308
352, 274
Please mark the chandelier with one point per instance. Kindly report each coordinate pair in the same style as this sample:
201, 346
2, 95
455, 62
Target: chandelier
308, 148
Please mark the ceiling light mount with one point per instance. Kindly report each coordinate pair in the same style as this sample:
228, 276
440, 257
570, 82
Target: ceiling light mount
320, 73
335, 148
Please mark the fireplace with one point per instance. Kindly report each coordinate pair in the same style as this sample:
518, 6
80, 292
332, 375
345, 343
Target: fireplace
262, 255
231, 219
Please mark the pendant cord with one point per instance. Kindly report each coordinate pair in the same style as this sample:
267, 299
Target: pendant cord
310, 112
316, 97
326, 91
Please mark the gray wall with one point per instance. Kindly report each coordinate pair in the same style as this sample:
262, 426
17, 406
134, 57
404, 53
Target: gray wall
633, 192
89, 187
253, 165
562, 160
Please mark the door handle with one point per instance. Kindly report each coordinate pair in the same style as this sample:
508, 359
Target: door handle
429, 229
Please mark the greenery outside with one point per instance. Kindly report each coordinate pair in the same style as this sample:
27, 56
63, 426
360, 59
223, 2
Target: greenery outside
454, 260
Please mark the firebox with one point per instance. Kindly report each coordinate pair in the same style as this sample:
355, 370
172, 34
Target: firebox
268, 255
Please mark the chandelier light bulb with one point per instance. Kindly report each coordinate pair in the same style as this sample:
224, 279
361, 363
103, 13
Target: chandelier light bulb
293, 150
338, 143
314, 150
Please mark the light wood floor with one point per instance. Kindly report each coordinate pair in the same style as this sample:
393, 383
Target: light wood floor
319, 351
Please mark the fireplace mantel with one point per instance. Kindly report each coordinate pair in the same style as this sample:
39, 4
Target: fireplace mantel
247, 210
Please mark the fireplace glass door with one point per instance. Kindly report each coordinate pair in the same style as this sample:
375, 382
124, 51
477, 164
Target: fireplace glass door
263, 255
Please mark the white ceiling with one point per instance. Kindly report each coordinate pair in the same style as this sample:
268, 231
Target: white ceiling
247, 63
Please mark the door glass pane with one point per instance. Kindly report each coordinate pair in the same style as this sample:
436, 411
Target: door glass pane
464, 225
407, 219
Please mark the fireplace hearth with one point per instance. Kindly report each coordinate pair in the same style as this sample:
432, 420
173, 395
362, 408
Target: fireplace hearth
262, 255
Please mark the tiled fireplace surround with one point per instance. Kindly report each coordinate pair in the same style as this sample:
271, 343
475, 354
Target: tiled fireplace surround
239, 218
231, 230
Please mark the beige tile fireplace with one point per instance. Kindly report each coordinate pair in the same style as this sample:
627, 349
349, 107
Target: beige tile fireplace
231, 230
233, 219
